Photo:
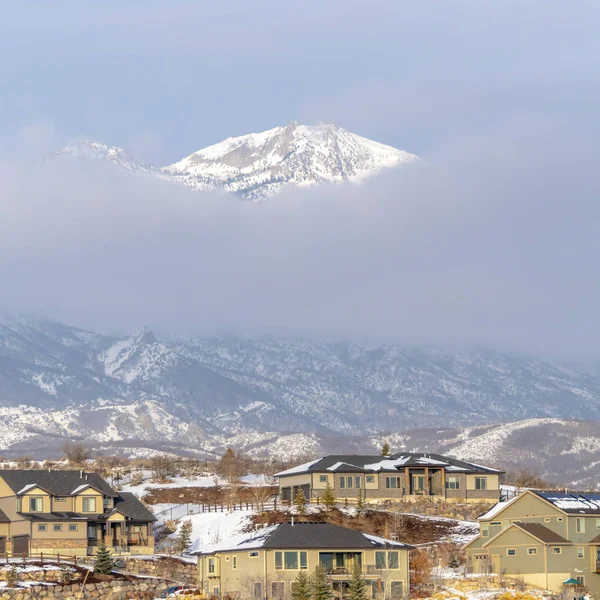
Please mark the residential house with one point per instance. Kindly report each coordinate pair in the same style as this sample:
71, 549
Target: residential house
402, 476
541, 537
264, 564
69, 512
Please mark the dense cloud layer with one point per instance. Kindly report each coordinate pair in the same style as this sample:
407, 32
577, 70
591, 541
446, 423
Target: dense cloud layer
495, 241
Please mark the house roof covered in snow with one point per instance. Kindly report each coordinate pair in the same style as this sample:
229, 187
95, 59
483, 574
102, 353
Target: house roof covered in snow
361, 463
301, 535
572, 502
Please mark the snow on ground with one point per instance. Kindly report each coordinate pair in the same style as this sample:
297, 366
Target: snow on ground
211, 528
174, 482
257, 480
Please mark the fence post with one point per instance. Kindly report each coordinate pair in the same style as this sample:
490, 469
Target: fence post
58, 558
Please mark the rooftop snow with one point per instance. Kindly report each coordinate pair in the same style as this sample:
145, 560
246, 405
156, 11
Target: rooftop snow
245, 541
28, 487
299, 469
496, 509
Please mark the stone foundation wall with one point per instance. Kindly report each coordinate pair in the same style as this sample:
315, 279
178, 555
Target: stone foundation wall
164, 567
139, 590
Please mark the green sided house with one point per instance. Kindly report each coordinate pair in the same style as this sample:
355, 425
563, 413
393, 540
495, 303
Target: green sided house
69, 512
264, 564
402, 476
541, 537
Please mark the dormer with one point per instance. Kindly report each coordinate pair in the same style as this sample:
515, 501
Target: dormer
33, 498
88, 498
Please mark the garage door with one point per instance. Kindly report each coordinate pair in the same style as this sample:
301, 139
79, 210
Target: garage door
21, 545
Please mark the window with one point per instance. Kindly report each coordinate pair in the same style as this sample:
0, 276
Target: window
36, 504
19, 505
505, 524
581, 579
392, 482
107, 503
216, 591
511, 552
303, 561
397, 589
212, 566
481, 483
89, 504
253, 554
57, 527
559, 519
392, 560
557, 550
73, 527
42, 527
258, 589
380, 560
290, 560
371, 479
531, 551
452, 483
580, 525
323, 478
547, 520
342, 482
357, 481
580, 552
234, 562
597, 523
485, 530
277, 589
349, 485
137, 528
278, 560
497, 523
60, 499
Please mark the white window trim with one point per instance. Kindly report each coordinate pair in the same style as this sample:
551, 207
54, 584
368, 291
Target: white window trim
531, 551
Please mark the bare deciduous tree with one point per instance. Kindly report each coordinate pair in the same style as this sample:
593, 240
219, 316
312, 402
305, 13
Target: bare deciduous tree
76, 452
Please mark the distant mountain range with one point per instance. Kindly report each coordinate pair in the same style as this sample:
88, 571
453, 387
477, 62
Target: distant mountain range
258, 165
278, 396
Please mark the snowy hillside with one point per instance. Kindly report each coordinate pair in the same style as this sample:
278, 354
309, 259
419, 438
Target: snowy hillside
284, 397
260, 164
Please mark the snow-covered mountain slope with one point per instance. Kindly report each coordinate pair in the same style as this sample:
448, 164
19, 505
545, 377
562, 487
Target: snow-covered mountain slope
261, 164
280, 396
91, 149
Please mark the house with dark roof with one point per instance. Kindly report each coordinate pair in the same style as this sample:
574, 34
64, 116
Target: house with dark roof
265, 563
544, 538
69, 512
402, 476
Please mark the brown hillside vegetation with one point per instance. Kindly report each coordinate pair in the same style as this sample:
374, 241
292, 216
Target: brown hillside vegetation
408, 528
210, 495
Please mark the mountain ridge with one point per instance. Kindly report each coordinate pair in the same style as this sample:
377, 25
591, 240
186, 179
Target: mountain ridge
260, 165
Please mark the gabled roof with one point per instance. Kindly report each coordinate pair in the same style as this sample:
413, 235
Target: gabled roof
57, 483
542, 533
497, 509
129, 505
535, 530
307, 535
359, 463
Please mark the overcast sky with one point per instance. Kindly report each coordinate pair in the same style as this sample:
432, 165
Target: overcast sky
495, 242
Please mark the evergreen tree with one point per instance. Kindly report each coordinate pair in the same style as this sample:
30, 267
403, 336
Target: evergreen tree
357, 588
320, 585
301, 587
184, 537
104, 563
300, 502
360, 501
385, 449
328, 497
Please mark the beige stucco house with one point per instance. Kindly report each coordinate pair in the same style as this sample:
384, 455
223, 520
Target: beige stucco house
69, 512
402, 476
542, 538
264, 564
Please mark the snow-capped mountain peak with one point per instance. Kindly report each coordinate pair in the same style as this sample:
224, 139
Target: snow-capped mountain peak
92, 149
258, 165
